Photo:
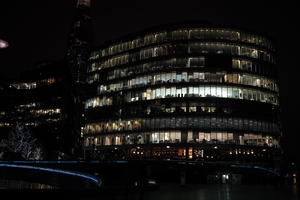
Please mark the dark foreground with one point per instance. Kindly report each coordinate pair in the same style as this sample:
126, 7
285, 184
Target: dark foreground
173, 192
146, 181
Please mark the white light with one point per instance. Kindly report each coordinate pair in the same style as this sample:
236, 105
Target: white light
152, 182
3, 44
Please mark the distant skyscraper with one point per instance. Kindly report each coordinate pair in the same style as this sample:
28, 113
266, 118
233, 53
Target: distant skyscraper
79, 41
77, 56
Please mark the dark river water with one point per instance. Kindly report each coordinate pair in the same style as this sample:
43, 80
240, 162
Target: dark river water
209, 192
172, 192
223, 192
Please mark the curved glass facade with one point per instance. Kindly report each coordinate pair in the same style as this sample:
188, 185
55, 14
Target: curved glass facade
184, 34
174, 137
192, 88
189, 76
182, 49
216, 91
205, 123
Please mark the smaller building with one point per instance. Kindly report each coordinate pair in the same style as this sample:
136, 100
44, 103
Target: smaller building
6, 106
44, 99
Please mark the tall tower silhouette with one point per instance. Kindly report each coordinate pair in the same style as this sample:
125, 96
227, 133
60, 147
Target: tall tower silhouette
77, 60
79, 41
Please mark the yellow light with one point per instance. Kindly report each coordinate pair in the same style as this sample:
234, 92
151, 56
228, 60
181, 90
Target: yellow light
152, 182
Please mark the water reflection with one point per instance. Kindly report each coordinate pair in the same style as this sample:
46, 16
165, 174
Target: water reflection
223, 192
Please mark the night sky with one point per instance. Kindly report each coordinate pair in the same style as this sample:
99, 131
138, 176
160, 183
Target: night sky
38, 30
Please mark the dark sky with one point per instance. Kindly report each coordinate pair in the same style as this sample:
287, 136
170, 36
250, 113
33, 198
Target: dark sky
38, 30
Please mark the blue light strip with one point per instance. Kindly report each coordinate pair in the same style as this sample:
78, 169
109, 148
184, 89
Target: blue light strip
241, 166
268, 170
89, 177
119, 161
94, 161
257, 167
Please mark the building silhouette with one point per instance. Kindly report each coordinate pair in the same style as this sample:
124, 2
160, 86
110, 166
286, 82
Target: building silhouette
79, 41
42, 99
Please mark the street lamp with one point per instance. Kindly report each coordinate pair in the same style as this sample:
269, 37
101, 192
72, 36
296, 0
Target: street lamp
3, 44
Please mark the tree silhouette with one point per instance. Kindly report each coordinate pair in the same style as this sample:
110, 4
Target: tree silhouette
20, 141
